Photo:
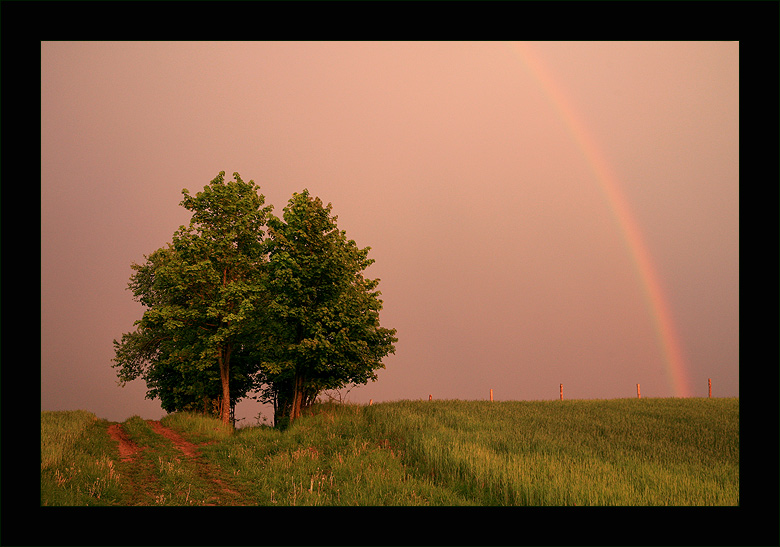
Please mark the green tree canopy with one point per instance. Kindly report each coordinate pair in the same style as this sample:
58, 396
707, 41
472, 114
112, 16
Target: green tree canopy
324, 313
201, 293
231, 309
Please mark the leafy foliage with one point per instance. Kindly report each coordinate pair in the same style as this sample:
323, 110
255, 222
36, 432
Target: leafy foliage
324, 312
231, 310
200, 293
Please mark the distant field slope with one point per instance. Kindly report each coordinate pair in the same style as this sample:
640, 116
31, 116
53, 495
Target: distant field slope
578, 452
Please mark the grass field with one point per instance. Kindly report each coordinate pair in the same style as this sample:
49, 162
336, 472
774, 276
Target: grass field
540, 453
78, 460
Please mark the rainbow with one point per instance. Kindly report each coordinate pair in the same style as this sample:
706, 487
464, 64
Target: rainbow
618, 204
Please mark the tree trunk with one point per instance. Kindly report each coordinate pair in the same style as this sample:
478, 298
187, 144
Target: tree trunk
224, 368
224, 376
297, 401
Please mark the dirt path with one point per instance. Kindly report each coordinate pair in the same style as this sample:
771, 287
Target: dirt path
140, 474
127, 448
191, 451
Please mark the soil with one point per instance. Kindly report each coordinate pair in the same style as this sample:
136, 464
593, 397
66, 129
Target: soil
127, 448
140, 475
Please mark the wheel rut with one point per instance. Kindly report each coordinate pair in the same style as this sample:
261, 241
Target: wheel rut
191, 450
142, 479
137, 473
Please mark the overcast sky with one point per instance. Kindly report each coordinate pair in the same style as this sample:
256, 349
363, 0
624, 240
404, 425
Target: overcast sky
471, 169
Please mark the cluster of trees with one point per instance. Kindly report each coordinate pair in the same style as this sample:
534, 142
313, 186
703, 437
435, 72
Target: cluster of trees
242, 302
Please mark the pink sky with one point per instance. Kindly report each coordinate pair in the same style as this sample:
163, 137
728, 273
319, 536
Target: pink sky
502, 263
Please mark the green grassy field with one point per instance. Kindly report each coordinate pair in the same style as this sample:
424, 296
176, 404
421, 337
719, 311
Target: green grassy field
78, 460
540, 453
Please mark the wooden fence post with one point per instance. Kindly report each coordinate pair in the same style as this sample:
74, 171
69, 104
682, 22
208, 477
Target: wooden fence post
638, 393
491, 395
561, 392
709, 387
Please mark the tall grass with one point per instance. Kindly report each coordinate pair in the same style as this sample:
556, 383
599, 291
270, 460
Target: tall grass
586, 452
605, 452
77, 460
328, 458
198, 427
614, 452
60, 431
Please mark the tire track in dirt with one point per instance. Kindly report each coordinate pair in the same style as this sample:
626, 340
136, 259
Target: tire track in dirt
140, 475
227, 496
127, 448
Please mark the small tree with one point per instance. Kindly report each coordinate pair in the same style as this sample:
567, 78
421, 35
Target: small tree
323, 315
202, 294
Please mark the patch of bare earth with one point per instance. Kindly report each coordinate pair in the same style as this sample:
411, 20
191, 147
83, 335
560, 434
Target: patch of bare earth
127, 448
137, 474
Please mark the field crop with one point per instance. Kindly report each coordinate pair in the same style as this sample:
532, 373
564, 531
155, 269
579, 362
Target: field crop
540, 453
599, 452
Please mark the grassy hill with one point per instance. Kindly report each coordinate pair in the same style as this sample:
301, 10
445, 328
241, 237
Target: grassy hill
578, 452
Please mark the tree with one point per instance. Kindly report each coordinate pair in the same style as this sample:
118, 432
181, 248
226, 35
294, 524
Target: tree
323, 315
202, 295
